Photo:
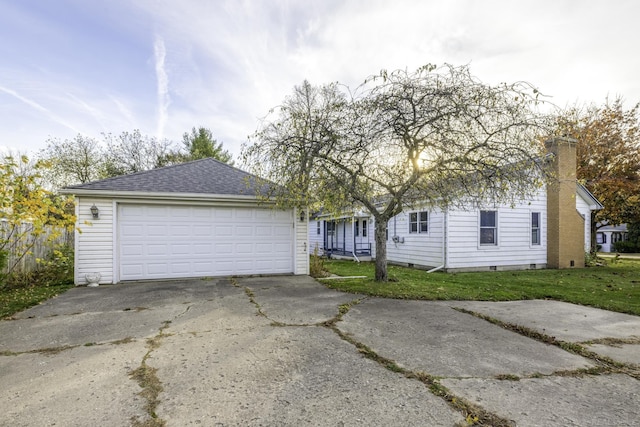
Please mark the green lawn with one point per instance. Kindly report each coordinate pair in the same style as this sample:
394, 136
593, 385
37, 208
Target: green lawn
613, 287
15, 300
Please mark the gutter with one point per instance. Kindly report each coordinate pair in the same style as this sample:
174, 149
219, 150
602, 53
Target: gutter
146, 195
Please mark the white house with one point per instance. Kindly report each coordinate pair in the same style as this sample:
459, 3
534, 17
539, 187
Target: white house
195, 219
610, 234
550, 230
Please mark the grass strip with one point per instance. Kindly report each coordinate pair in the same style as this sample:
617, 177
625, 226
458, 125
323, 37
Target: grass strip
614, 287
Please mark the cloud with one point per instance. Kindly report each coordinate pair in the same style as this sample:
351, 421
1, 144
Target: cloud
39, 108
160, 53
164, 67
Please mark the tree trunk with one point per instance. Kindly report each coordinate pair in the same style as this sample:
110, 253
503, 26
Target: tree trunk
381, 250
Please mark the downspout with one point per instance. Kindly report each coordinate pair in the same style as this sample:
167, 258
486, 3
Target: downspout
353, 233
444, 243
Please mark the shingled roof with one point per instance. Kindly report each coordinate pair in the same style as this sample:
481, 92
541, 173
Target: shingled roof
205, 176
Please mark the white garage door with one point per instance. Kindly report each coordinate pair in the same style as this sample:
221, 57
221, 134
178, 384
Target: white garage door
160, 241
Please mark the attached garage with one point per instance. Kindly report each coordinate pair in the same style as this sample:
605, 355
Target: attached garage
197, 219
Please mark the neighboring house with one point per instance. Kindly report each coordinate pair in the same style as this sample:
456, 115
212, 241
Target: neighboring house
552, 230
195, 219
610, 234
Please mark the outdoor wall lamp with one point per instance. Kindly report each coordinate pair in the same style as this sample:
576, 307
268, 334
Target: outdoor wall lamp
302, 215
95, 212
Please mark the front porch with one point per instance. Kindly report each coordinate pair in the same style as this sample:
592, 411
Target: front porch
340, 254
347, 238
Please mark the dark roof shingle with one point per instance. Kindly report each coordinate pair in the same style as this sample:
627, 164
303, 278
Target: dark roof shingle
205, 176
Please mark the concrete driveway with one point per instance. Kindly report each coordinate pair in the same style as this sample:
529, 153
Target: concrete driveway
282, 351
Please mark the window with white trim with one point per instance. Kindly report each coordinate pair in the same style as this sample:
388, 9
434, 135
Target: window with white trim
488, 228
364, 228
419, 222
318, 228
357, 228
535, 228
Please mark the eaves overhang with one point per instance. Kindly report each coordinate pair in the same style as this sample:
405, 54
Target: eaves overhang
147, 195
587, 196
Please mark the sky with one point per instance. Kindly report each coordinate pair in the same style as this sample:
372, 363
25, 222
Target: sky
70, 67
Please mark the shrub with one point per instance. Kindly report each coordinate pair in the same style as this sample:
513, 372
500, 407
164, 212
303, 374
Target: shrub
626, 247
56, 269
316, 264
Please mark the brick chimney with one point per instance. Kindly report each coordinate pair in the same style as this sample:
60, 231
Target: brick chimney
565, 225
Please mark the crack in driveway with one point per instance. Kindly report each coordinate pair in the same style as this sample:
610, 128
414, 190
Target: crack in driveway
473, 414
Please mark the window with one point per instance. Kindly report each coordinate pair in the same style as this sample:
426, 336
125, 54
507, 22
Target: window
488, 228
601, 238
418, 222
535, 228
364, 228
357, 224
318, 227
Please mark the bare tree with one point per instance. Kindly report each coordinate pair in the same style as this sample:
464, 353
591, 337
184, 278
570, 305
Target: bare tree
72, 161
134, 152
435, 136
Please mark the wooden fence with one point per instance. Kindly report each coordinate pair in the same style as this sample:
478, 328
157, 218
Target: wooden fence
17, 239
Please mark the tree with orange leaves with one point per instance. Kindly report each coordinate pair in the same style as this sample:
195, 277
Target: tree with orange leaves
608, 158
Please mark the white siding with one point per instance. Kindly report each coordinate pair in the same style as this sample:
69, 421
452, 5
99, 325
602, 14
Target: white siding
420, 249
94, 240
302, 247
513, 249
585, 211
316, 239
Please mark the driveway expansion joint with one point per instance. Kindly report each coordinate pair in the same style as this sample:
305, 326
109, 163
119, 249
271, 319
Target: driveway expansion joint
604, 364
472, 413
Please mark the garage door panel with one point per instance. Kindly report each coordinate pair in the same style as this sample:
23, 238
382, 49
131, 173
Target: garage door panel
203, 267
157, 268
132, 270
132, 230
223, 213
131, 212
201, 230
264, 248
181, 268
262, 231
180, 249
157, 250
223, 248
179, 212
179, 230
189, 241
243, 214
224, 230
243, 249
132, 250
153, 211
244, 231
203, 249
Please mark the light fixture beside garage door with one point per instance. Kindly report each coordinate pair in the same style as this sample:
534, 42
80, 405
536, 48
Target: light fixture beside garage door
95, 212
